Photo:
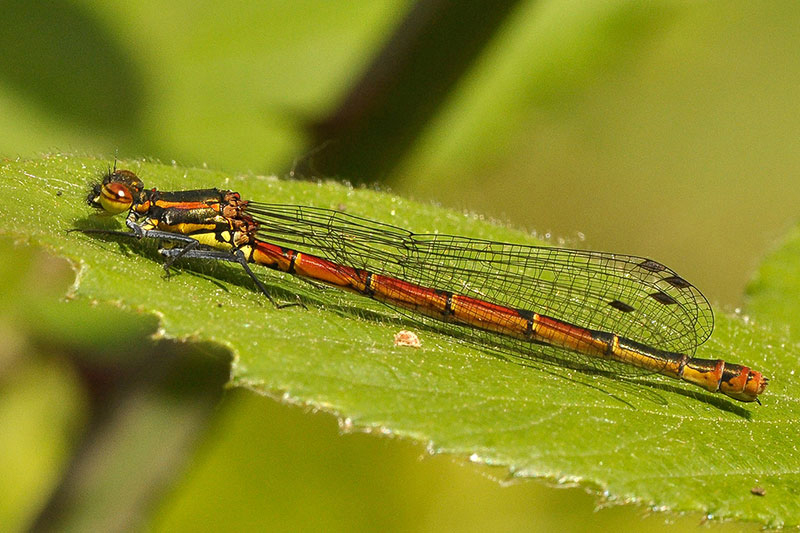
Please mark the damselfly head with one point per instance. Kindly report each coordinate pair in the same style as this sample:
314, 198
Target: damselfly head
118, 191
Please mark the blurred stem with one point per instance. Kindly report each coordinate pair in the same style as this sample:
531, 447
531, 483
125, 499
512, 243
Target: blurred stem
145, 424
403, 88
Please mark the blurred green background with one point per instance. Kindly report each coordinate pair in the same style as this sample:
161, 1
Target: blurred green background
667, 129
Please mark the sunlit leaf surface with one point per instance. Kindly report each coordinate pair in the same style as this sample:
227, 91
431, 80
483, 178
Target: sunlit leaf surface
654, 441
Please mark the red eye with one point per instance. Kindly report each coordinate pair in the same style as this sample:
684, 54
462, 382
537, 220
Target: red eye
115, 198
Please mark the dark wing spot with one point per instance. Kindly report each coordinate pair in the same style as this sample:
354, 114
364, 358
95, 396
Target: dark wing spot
652, 266
622, 306
663, 298
677, 281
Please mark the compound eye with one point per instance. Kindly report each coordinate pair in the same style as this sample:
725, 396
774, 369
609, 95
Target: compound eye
115, 197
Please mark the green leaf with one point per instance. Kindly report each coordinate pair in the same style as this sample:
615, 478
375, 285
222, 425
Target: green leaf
653, 441
34, 453
772, 295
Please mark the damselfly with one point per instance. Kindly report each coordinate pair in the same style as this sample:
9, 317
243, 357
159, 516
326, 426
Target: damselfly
609, 311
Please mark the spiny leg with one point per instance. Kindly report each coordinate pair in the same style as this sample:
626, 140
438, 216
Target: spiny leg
139, 232
234, 256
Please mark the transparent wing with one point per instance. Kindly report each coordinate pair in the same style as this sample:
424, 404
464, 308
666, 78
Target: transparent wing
633, 297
